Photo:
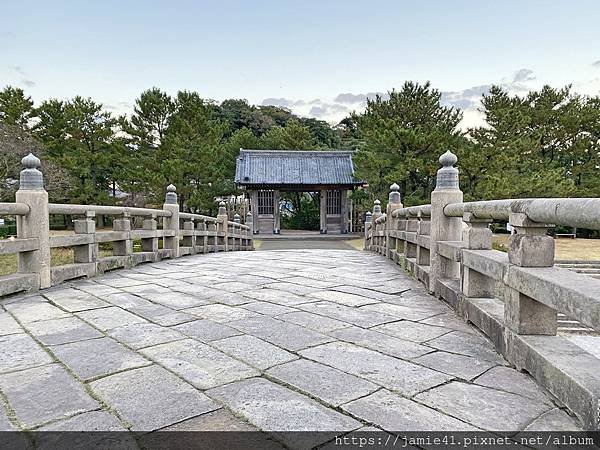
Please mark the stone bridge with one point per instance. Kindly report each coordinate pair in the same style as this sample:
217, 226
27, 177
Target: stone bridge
278, 341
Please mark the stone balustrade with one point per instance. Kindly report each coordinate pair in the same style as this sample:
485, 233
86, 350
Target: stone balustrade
164, 233
513, 297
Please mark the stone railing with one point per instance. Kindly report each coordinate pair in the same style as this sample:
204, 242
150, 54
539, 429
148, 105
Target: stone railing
164, 233
515, 297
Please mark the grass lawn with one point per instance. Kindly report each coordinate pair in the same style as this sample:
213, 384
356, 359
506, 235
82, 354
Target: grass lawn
565, 248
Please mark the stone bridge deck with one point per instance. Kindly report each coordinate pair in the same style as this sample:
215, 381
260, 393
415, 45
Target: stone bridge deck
277, 340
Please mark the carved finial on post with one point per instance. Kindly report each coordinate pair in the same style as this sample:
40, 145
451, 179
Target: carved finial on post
376, 209
171, 197
236, 218
394, 196
369, 217
447, 176
31, 178
222, 208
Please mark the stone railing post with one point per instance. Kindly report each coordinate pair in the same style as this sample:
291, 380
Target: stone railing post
477, 236
223, 226
150, 244
529, 247
444, 228
171, 223
36, 224
249, 222
86, 253
189, 241
123, 247
368, 230
391, 223
375, 240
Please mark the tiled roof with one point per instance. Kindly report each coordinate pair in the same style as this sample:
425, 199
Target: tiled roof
294, 167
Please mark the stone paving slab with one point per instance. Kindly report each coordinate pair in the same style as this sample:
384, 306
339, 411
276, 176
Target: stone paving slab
112, 317
151, 398
20, 351
8, 325
326, 383
254, 351
383, 343
283, 334
206, 330
45, 393
97, 357
485, 408
392, 373
272, 407
142, 335
395, 413
304, 351
62, 331
199, 364
5, 424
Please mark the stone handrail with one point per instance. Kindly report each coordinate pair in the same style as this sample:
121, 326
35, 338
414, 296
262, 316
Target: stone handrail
177, 235
514, 297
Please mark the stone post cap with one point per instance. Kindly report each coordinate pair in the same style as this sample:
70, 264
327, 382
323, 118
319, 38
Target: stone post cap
447, 176
31, 177
171, 197
236, 218
222, 209
376, 207
394, 196
369, 217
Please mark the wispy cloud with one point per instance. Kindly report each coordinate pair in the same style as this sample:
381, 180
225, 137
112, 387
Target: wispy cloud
23, 77
596, 63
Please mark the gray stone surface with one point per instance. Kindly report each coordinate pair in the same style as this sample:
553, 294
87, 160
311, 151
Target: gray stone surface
62, 331
271, 407
383, 343
199, 364
141, 335
33, 309
5, 424
107, 318
326, 383
313, 321
263, 343
283, 334
355, 316
19, 351
482, 407
465, 367
395, 413
510, 380
45, 393
254, 351
150, 398
220, 313
8, 325
467, 344
554, 420
74, 300
343, 298
97, 357
89, 421
389, 372
206, 330
412, 331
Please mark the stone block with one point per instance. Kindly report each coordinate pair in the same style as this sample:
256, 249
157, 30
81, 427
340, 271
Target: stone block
524, 315
107, 318
330, 385
19, 352
412, 331
253, 351
62, 331
313, 321
392, 373
199, 364
467, 344
45, 393
33, 309
356, 316
220, 313
531, 251
151, 398
142, 335
8, 325
395, 413
465, 367
342, 298
485, 408
206, 330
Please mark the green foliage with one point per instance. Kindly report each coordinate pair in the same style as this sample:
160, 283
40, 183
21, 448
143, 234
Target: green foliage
15, 108
294, 136
402, 139
302, 211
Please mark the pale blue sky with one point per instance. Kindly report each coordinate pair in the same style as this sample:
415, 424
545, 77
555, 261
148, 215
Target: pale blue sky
295, 50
